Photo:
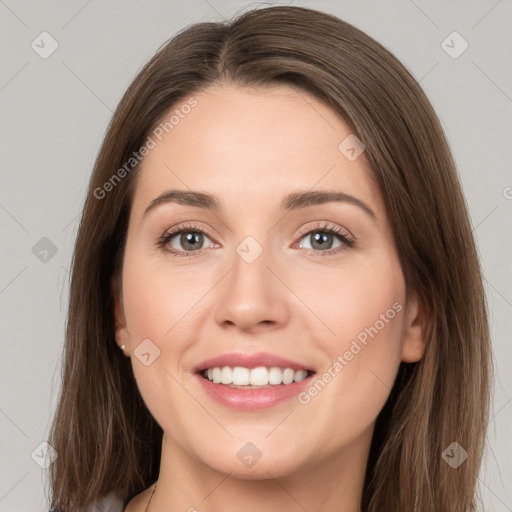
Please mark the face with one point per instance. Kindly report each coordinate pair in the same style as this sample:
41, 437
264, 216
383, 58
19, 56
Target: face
262, 283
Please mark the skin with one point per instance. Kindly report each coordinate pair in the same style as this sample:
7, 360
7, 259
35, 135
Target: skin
250, 148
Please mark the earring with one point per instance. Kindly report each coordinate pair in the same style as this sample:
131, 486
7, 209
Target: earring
122, 348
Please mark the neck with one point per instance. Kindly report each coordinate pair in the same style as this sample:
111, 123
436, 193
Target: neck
333, 484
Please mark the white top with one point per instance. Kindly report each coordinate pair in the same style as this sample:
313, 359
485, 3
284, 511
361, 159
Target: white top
109, 503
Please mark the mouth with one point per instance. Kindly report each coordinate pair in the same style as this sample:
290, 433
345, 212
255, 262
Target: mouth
249, 382
261, 377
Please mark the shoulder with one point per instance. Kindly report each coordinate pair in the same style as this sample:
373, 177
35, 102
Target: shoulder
138, 503
113, 503
109, 503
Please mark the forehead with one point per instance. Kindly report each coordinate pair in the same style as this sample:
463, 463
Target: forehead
252, 144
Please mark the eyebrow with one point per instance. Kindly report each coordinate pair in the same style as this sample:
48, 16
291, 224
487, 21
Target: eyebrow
293, 201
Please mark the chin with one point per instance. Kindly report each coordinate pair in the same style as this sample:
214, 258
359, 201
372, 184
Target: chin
246, 462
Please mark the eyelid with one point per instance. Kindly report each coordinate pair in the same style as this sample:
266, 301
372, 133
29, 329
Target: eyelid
327, 226
189, 226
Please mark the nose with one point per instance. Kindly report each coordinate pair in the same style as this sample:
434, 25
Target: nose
251, 298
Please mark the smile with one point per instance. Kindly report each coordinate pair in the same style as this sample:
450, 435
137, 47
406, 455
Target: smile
254, 378
248, 382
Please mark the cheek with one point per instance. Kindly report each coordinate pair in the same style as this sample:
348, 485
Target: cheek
159, 309
364, 309
158, 303
165, 303
353, 297
156, 308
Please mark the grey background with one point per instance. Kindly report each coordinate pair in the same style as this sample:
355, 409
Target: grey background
54, 113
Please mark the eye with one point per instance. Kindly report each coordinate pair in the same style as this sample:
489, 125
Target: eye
185, 240
189, 240
322, 240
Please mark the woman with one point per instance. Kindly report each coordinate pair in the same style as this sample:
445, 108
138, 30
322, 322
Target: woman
276, 239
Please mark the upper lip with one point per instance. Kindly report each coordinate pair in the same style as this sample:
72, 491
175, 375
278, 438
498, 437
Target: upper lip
250, 361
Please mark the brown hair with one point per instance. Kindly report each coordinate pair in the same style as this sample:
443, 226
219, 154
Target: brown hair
106, 439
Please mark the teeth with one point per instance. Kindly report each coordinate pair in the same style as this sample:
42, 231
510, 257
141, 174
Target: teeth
300, 375
288, 376
217, 375
226, 376
275, 376
241, 376
260, 376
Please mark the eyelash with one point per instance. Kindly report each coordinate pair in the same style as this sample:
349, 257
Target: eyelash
348, 241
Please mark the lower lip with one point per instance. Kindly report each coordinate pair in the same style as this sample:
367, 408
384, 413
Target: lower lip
252, 399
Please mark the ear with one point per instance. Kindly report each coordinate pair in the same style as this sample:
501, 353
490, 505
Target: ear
122, 334
414, 334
